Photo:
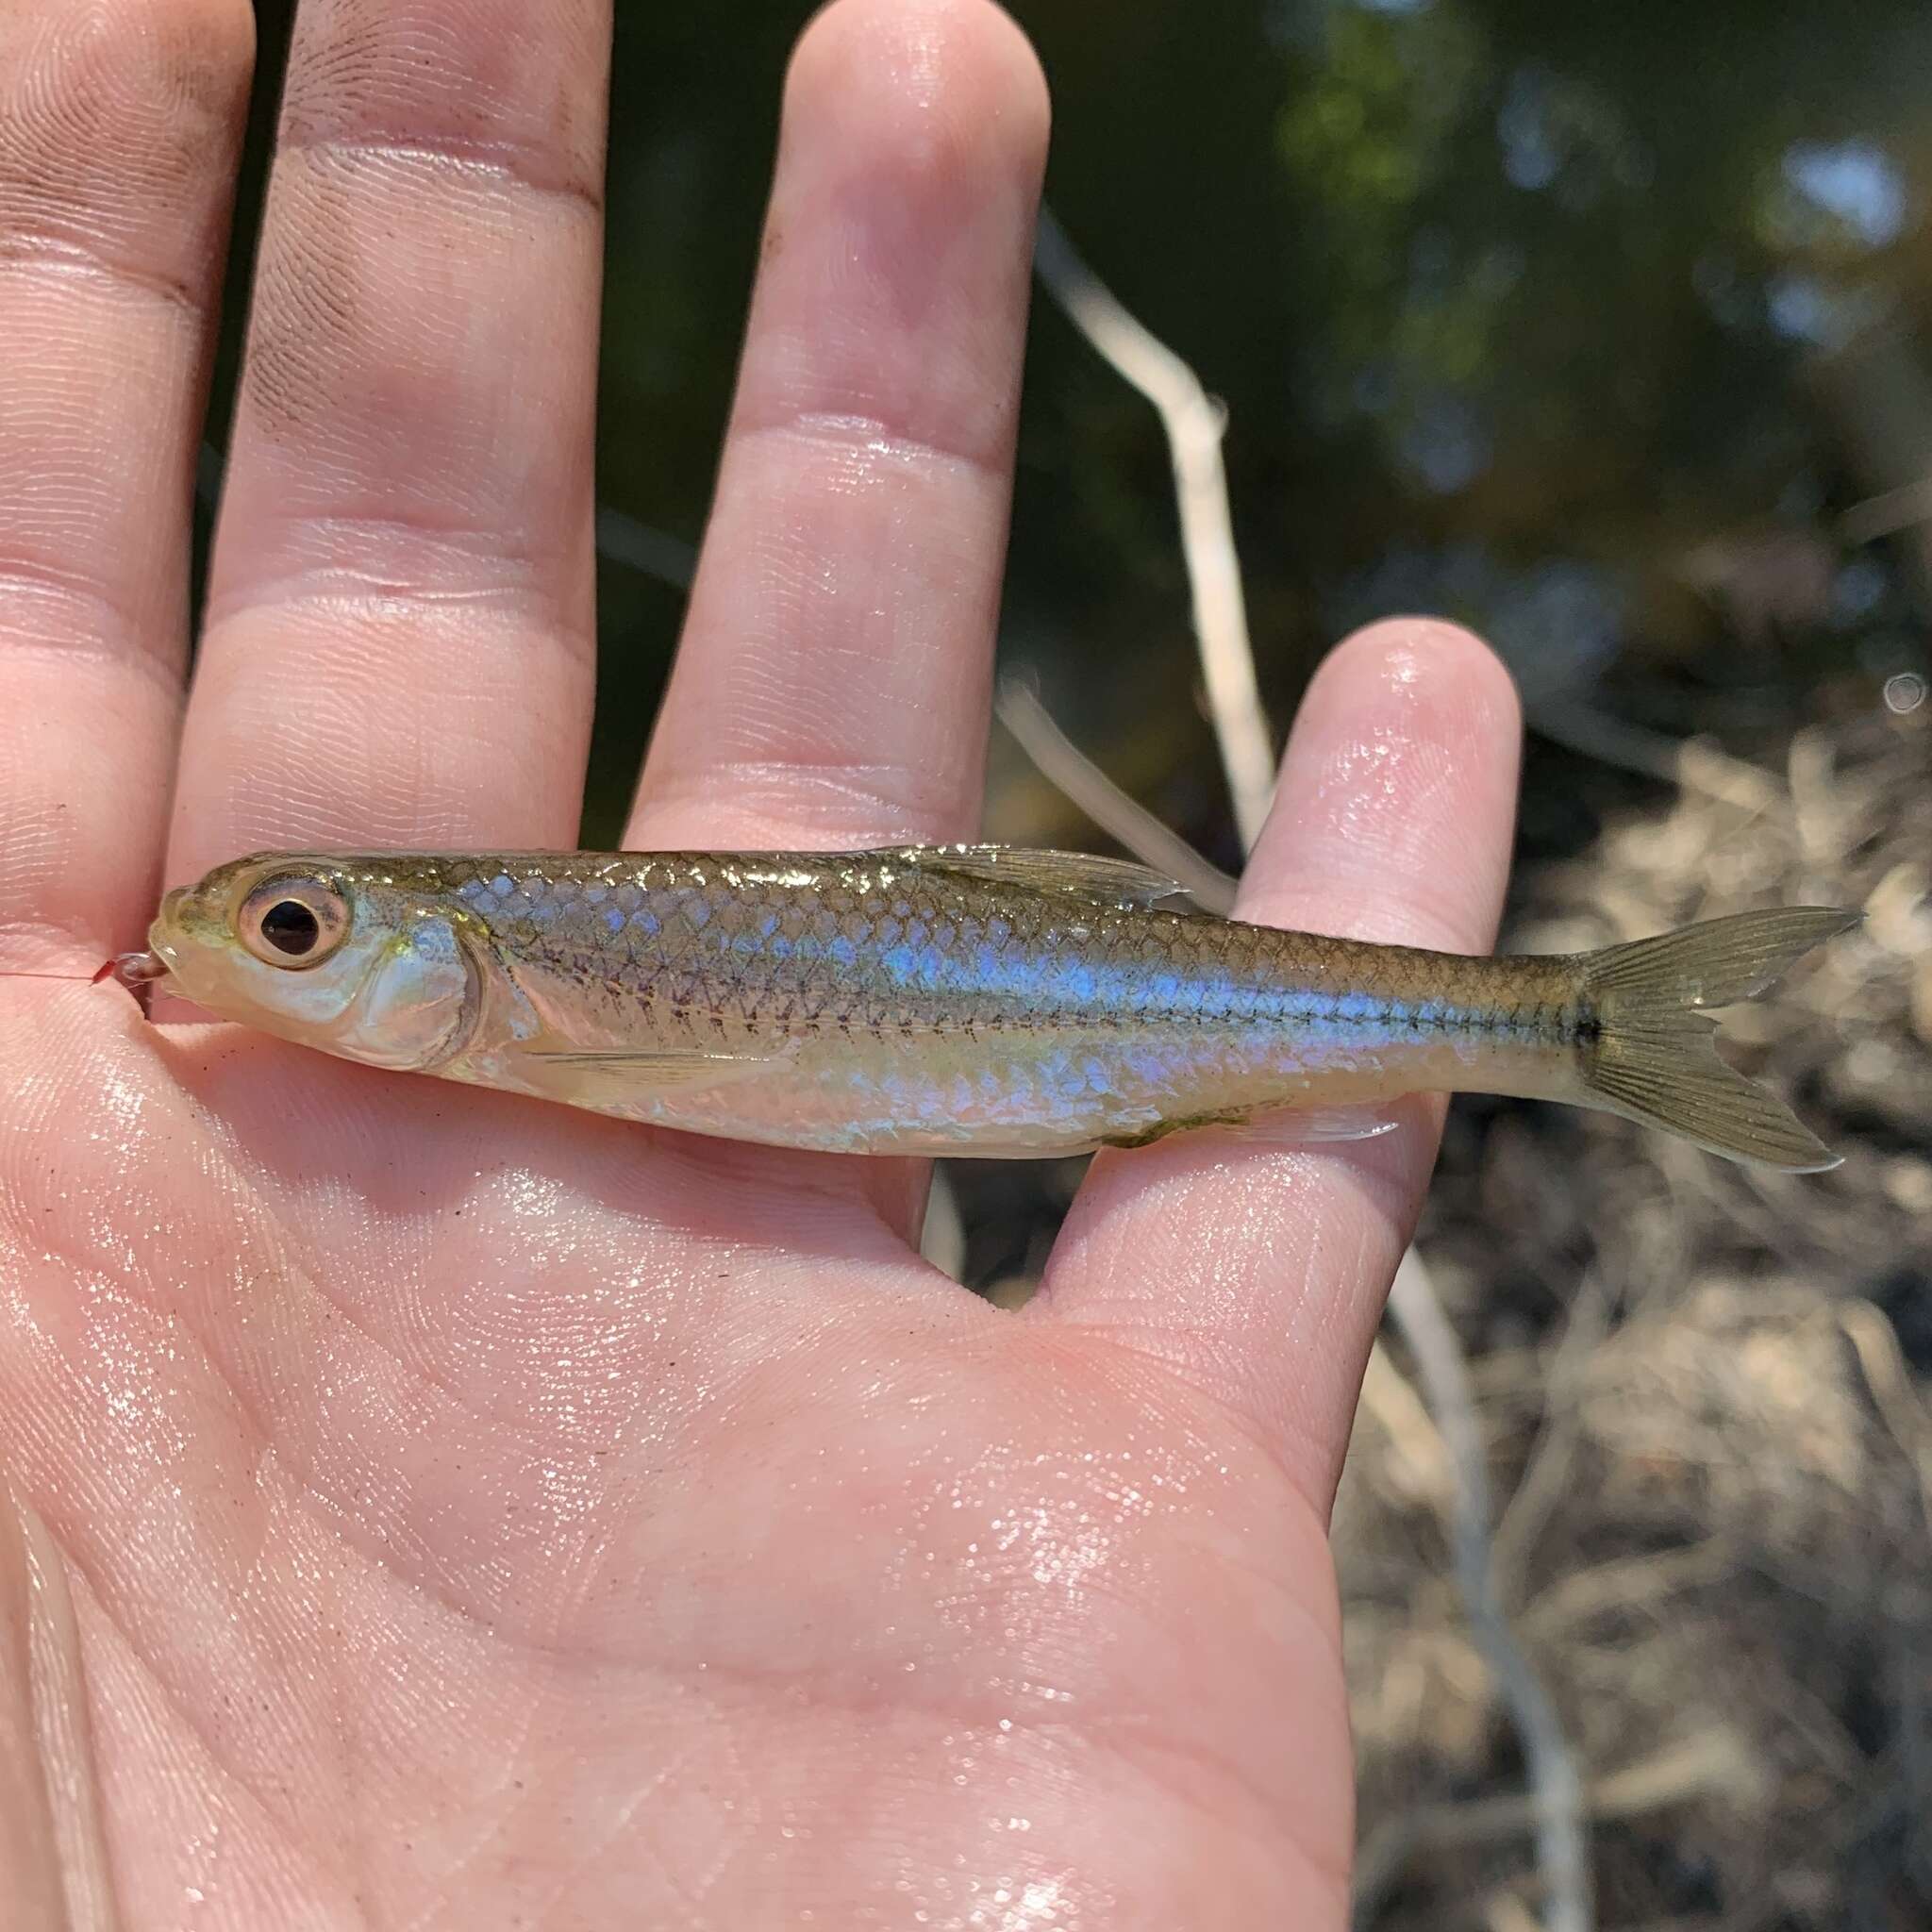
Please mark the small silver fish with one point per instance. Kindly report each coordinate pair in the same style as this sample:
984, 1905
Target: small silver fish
954, 1000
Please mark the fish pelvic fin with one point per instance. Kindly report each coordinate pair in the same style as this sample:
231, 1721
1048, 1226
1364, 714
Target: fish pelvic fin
1649, 1051
1277, 1127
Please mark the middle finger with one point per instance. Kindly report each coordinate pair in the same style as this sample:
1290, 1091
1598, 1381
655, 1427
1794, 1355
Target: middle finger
400, 634
831, 688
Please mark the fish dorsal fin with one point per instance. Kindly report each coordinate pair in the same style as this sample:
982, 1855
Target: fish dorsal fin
1117, 882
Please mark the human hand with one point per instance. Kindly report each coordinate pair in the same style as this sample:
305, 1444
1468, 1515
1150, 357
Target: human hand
424, 1508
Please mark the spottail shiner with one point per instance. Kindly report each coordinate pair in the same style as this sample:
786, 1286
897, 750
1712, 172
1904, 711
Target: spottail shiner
954, 1000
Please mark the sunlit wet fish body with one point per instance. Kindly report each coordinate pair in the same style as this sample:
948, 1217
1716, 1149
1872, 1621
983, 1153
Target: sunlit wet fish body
958, 1000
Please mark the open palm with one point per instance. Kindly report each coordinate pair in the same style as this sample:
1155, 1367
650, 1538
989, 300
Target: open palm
423, 1507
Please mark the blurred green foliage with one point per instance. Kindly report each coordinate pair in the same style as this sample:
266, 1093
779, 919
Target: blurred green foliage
1523, 313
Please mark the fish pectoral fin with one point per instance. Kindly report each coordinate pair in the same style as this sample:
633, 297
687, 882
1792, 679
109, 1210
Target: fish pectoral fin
1071, 874
643, 1070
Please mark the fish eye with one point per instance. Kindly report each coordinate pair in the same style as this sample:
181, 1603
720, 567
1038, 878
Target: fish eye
293, 921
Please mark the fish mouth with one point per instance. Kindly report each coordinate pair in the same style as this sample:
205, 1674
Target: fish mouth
183, 938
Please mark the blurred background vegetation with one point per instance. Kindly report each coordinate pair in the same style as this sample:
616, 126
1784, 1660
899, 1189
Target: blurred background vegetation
1531, 315
1584, 324
1606, 330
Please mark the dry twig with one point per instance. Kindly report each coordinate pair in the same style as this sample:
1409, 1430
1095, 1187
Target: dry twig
1556, 1801
1194, 423
1712, 1762
1888, 513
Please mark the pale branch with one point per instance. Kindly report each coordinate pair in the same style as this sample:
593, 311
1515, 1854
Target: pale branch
1194, 423
1555, 1786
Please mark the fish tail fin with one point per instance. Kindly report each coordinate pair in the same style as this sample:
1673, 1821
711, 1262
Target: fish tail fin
1649, 1050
